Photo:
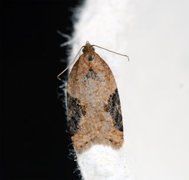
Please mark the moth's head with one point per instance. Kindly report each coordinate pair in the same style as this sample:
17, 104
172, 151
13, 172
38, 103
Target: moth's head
89, 51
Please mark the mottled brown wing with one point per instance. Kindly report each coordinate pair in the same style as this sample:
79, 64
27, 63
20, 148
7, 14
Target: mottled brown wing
93, 104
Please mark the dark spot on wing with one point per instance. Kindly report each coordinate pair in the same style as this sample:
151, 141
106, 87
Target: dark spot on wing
114, 108
91, 74
74, 113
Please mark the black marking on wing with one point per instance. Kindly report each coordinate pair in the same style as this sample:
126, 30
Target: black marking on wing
114, 108
74, 113
91, 74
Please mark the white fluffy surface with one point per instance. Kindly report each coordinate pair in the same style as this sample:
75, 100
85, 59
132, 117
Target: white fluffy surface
103, 163
101, 22
153, 86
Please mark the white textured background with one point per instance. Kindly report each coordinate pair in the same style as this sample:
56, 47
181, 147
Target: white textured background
157, 90
154, 85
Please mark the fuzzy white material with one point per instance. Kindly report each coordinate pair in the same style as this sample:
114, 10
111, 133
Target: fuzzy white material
104, 23
153, 86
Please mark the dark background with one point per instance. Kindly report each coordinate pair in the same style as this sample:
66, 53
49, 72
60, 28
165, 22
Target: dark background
35, 144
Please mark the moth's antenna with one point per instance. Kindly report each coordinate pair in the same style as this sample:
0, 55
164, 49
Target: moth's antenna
58, 77
112, 51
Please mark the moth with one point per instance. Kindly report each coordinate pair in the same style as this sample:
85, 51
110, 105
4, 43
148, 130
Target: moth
93, 105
